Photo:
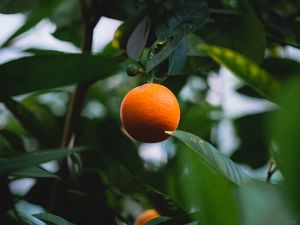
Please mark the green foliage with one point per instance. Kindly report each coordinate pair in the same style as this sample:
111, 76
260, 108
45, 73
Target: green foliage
212, 157
245, 69
286, 120
23, 160
181, 44
41, 74
53, 219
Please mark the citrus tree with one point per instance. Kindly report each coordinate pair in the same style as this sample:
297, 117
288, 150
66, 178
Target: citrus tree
64, 108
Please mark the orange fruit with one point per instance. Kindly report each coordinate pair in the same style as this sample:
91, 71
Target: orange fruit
148, 111
146, 217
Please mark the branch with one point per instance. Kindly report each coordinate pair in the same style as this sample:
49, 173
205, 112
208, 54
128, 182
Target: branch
77, 101
272, 169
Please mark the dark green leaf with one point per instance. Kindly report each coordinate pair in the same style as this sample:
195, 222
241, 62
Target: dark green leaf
49, 71
253, 149
207, 191
245, 69
157, 221
6, 196
124, 31
282, 68
162, 202
38, 121
210, 155
178, 58
178, 220
284, 127
259, 200
16, 6
189, 14
23, 160
14, 140
53, 219
37, 51
169, 47
34, 172
137, 40
234, 32
41, 10
67, 19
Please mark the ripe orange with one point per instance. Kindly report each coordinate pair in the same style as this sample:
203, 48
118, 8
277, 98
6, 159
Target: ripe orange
148, 111
146, 217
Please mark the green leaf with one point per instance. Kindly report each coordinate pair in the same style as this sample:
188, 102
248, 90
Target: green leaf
253, 148
14, 140
190, 15
244, 69
138, 39
37, 120
284, 127
258, 200
53, 219
23, 160
41, 10
233, 32
207, 191
16, 6
124, 31
178, 220
210, 155
281, 68
158, 220
178, 58
34, 172
169, 46
162, 202
50, 71
67, 19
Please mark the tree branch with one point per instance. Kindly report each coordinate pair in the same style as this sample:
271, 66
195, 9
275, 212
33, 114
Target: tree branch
272, 169
77, 101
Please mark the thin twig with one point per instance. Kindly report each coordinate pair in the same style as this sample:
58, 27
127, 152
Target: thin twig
272, 169
77, 101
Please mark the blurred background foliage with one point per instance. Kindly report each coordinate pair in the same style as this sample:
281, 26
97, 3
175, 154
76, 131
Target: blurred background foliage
191, 46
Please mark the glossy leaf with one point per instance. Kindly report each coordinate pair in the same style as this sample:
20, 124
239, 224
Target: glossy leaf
233, 32
210, 155
27, 159
244, 69
157, 221
50, 71
178, 58
53, 219
207, 191
169, 47
33, 172
190, 15
138, 39
124, 31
